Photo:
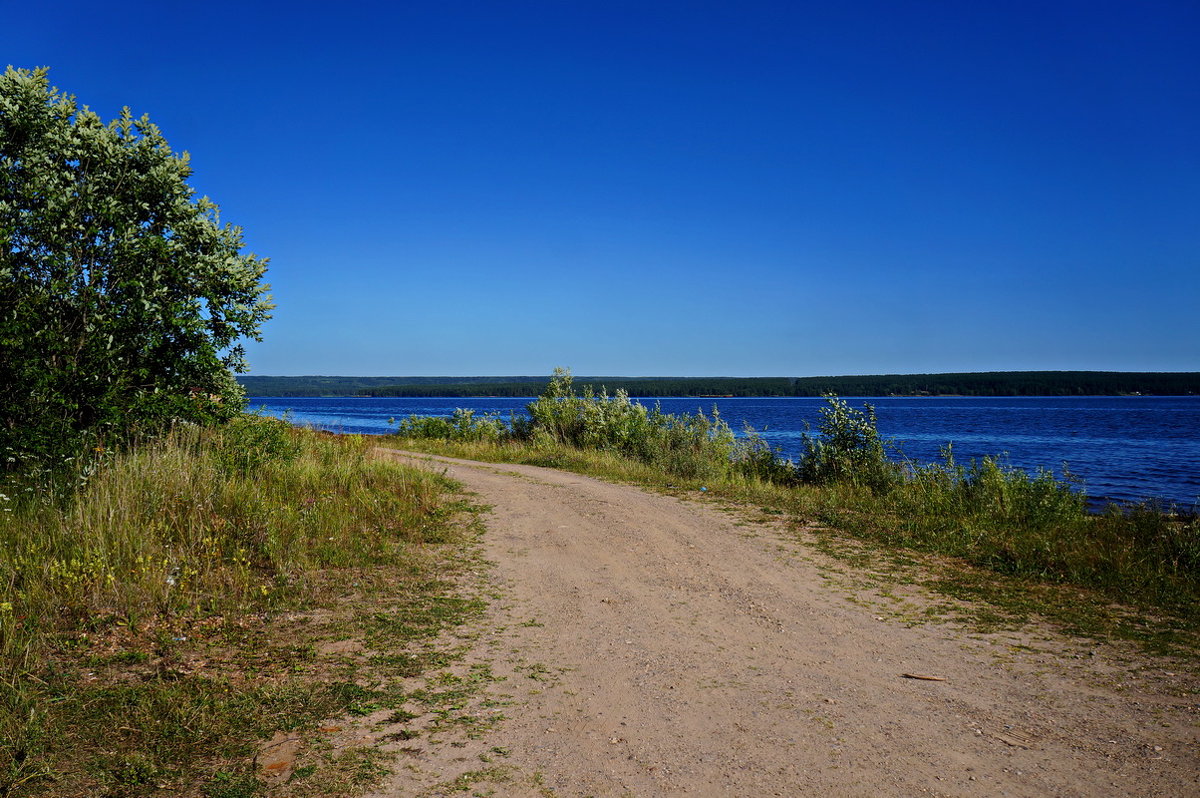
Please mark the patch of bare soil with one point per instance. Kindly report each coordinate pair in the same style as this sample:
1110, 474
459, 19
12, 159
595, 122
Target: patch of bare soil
650, 646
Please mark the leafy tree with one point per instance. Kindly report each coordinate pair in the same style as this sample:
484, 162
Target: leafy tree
122, 295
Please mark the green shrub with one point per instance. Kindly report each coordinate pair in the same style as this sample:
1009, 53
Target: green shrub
848, 449
462, 425
124, 295
249, 442
754, 457
695, 445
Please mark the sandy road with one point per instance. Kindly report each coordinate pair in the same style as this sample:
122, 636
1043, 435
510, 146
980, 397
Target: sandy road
656, 647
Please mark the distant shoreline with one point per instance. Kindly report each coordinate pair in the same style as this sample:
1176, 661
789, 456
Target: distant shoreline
965, 384
729, 396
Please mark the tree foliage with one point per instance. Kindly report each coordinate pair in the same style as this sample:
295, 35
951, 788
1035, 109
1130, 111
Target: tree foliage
122, 295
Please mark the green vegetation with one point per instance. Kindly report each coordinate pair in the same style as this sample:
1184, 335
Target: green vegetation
1000, 383
698, 445
1030, 527
180, 583
123, 296
162, 622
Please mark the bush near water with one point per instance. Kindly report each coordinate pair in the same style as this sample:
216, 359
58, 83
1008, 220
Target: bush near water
1003, 519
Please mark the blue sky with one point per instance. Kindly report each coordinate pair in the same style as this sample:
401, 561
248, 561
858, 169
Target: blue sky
691, 188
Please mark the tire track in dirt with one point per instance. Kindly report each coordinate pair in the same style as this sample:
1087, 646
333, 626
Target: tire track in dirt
656, 648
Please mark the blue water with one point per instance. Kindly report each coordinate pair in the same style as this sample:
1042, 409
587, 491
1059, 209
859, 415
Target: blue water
1123, 448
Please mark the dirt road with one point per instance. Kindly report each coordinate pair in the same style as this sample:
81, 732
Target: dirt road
656, 647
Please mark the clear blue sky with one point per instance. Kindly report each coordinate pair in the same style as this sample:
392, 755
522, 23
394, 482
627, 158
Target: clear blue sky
680, 188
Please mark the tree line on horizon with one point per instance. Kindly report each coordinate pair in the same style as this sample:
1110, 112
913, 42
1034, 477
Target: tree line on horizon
997, 383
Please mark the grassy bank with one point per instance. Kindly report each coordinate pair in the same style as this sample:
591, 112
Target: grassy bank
1017, 536
167, 615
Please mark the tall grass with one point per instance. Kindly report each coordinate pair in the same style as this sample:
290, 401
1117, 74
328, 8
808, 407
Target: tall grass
202, 518
201, 523
991, 515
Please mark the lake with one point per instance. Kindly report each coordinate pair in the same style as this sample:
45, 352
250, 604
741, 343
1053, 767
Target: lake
1123, 448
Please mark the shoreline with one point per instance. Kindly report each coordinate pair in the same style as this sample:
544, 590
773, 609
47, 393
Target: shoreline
1110, 477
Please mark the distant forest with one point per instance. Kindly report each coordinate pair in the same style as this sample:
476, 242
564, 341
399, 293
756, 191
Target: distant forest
989, 383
